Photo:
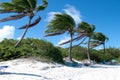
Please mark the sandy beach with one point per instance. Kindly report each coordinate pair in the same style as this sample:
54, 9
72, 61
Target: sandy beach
31, 69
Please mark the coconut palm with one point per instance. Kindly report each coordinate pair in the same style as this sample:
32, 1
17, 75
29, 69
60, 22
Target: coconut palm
83, 30
60, 24
98, 39
22, 8
86, 30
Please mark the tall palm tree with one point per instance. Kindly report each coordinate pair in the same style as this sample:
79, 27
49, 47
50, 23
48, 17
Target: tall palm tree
22, 8
60, 24
99, 38
87, 30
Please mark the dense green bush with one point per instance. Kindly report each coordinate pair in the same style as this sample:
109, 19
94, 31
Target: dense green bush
79, 53
30, 48
64, 51
110, 53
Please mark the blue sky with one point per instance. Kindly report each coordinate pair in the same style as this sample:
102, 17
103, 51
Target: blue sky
104, 14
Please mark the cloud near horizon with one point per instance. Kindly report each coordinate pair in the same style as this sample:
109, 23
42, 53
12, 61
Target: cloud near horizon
64, 39
69, 9
7, 32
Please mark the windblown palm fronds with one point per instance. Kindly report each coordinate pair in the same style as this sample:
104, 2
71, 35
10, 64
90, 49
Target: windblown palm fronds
21, 9
60, 24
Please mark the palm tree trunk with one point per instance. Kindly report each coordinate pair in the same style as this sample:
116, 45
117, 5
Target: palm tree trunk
104, 47
18, 43
88, 50
70, 50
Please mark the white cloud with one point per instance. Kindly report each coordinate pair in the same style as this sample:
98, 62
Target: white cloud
99, 47
64, 39
18, 38
71, 10
51, 15
7, 32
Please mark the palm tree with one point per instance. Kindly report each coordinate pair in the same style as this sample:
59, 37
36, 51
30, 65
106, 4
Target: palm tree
99, 38
87, 30
60, 24
22, 8
83, 30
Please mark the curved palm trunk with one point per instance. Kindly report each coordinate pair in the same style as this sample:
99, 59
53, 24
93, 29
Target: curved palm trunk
70, 50
18, 43
88, 50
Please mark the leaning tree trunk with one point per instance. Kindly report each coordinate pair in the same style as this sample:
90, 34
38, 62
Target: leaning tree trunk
88, 51
104, 47
18, 43
70, 50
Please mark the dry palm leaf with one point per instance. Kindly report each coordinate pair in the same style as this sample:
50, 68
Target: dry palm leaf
32, 24
14, 17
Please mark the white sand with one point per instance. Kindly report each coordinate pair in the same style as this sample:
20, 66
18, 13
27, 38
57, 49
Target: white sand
26, 69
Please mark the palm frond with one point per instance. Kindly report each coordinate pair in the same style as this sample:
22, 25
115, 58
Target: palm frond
6, 6
52, 34
22, 3
61, 22
100, 37
87, 28
81, 41
43, 6
11, 7
32, 24
7, 11
68, 41
14, 17
32, 3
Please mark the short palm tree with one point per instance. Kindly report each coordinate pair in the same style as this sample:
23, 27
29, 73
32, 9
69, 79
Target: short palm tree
99, 38
22, 8
60, 24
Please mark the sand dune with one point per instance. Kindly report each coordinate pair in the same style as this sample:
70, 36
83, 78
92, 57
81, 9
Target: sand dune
31, 69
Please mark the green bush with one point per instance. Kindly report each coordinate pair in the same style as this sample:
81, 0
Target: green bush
9, 53
79, 53
46, 51
30, 48
64, 51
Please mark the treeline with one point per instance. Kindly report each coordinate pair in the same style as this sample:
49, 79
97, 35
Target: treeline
80, 53
46, 51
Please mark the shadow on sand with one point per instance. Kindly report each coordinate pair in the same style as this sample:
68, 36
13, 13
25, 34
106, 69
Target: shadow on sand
105, 66
83, 65
27, 74
71, 64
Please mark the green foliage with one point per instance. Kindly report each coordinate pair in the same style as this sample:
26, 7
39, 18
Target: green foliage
64, 51
111, 53
45, 51
30, 48
114, 52
79, 53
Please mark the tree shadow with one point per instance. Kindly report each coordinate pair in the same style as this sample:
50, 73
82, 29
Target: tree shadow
84, 65
27, 74
71, 64
105, 66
